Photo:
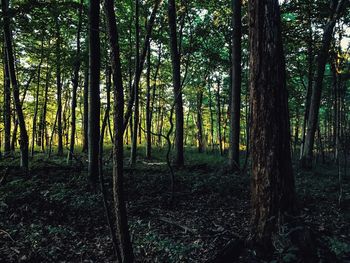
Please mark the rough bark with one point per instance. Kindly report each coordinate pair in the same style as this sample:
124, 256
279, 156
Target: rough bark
235, 101
94, 90
175, 59
123, 235
272, 176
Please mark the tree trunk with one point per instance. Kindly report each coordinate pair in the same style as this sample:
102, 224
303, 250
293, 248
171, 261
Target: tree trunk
86, 110
175, 58
7, 106
235, 107
126, 252
94, 90
218, 109
148, 107
59, 88
15, 88
306, 159
75, 85
43, 130
136, 85
199, 121
37, 97
273, 193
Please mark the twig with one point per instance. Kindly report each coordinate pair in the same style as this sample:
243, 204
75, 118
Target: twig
169, 221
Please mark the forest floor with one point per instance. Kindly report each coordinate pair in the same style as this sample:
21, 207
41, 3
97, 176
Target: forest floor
53, 216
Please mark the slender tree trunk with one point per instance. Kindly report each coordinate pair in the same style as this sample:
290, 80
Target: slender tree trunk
59, 87
94, 90
136, 85
43, 129
7, 106
15, 88
86, 110
310, 52
199, 121
211, 118
306, 160
218, 109
126, 252
175, 58
75, 86
273, 192
235, 107
148, 107
36, 108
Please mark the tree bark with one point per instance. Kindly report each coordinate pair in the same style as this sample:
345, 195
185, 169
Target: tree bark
218, 109
148, 107
15, 88
136, 85
59, 87
94, 90
199, 121
36, 108
273, 192
75, 85
7, 106
126, 252
235, 101
86, 110
175, 58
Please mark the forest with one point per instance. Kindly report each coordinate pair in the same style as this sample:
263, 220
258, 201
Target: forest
174, 131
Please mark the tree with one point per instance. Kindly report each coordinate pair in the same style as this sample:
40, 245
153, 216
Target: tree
94, 89
59, 86
235, 105
175, 59
7, 106
125, 246
312, 122
15, 89
273, 194
136, 84
75, 85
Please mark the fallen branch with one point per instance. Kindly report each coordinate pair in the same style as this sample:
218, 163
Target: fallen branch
171, 222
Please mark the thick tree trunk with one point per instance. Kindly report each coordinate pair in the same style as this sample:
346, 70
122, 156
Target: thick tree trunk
7, 106
175, 58
125, 246
306, 159
75, 85
272, 176
235, 101
94, 90
15, 89
211, 118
